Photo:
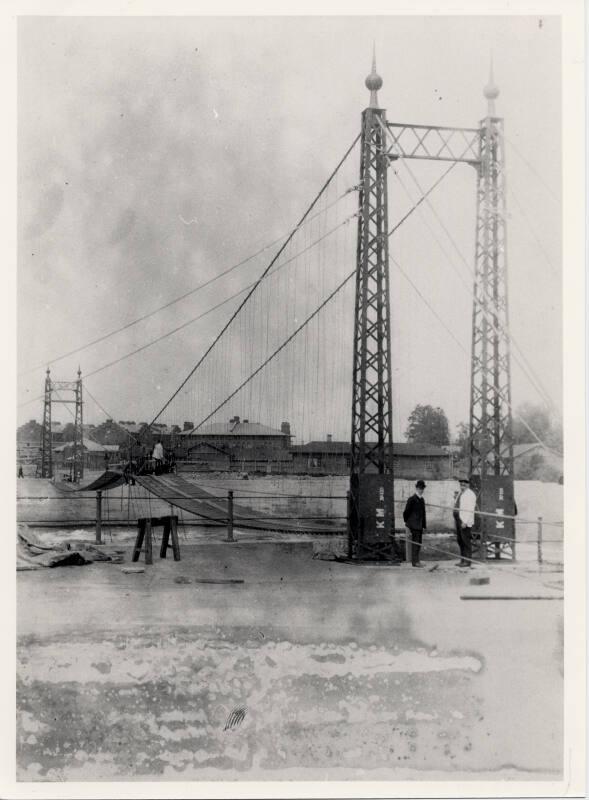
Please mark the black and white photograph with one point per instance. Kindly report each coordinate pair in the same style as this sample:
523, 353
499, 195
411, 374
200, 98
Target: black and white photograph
299, 492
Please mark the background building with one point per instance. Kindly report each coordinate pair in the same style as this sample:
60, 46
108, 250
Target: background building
410, 460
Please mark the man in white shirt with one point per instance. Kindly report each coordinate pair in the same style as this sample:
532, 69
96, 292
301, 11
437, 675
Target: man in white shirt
158, 456
465, 507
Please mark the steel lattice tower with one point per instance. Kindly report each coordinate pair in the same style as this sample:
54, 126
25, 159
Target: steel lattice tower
491, 445
78, 464
46, 438
46, 435
371, 512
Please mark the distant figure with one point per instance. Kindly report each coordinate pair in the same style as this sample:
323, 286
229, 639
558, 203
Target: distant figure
20, 473
170, 462
414, 517
158, 456
465, 506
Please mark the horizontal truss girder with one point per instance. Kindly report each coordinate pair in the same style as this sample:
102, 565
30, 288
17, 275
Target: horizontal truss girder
434, 143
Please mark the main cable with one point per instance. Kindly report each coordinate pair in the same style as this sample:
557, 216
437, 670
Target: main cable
253, 289
489, 315
172, 302
465, 350
532, 376
496, 324
201, 315
317, 310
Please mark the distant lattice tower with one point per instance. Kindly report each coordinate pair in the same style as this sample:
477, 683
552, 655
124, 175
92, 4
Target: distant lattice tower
78, 454
52, 388
371, 512
491, 444
46, 438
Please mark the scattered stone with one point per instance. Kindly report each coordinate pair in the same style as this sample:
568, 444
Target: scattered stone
103, 666
182, 579
482, 581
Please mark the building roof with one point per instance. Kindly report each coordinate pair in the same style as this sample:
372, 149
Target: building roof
399, 449
234, 429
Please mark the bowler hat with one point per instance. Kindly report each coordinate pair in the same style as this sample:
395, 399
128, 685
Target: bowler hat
420, 485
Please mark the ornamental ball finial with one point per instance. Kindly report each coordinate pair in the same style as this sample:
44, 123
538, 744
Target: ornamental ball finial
491, 91
373, 82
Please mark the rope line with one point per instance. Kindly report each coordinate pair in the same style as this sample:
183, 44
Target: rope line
480, 562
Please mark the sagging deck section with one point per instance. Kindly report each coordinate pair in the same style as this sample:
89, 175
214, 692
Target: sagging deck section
192, 498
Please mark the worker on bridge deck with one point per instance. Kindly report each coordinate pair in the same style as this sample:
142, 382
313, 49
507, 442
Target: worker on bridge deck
158, 456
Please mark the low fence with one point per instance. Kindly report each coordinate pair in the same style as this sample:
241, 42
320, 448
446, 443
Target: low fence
539, 537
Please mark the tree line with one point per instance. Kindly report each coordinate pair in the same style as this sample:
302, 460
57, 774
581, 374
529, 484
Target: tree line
429, 425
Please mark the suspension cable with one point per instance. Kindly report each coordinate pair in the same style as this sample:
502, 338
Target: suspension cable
175, 300
109, 416
465, 350
526, 219
278, 349
317, 310
531, 168
532, 376
264, 273
496, 325
204, 313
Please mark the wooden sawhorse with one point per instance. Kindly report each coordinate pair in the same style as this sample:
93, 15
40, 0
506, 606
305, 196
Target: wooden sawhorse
144, 528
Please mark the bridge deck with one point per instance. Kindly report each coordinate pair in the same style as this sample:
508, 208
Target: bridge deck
192, 498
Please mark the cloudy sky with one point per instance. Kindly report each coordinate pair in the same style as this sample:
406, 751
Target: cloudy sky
154, 153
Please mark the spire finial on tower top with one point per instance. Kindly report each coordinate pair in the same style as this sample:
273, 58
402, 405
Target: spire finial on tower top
491, 91
373, 81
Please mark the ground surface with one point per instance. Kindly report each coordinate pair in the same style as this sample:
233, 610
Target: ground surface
333, 670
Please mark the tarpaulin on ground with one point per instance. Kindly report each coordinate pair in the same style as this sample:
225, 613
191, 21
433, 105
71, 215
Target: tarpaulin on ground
32, 553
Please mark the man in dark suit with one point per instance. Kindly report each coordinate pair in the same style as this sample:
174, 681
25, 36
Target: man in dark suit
414, 517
